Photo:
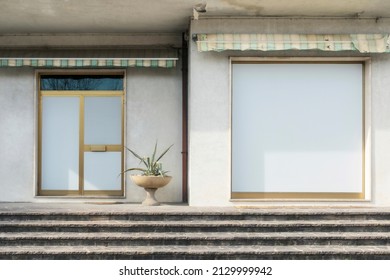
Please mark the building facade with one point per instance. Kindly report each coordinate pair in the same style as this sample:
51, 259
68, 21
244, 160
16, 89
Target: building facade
262, 111
277, 125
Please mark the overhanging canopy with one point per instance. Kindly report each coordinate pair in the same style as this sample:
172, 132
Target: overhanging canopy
164, 58
363, 43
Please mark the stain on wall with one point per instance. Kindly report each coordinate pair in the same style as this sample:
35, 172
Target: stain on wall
251, 7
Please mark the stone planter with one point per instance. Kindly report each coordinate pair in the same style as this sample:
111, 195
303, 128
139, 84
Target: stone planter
151, 184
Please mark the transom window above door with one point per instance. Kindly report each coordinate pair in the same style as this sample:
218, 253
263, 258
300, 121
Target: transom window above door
81, 82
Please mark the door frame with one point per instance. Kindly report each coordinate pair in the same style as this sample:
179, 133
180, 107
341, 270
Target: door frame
82, 147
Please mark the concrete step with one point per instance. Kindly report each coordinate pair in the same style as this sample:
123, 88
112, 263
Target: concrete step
194, 239
197, 226
194, 252
195, 214
75, 231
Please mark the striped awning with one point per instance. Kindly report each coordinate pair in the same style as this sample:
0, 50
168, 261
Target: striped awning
364, 43
164, 58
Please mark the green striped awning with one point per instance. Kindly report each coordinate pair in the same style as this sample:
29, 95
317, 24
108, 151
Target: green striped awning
89, 59
364, 43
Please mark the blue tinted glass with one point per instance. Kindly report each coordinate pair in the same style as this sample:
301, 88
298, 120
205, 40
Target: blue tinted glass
81, 82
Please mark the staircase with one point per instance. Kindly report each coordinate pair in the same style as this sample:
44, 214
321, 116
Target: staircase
162, 233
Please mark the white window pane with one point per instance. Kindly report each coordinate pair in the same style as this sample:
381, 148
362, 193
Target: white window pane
103, 119
102, 170
60, 143
297, 128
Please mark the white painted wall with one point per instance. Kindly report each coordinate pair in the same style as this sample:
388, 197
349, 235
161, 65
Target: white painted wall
381, 129
17, 134
154, 103
209, 107
209, 129
154, 106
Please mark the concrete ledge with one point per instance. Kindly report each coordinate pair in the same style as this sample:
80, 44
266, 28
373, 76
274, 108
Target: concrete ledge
90, 40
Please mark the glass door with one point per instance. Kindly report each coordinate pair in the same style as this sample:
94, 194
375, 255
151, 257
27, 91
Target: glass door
102, 143
81, 135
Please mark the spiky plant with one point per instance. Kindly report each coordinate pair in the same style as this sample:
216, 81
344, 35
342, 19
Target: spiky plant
152, 165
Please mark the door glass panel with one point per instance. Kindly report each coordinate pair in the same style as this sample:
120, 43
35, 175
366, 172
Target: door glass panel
103, 120
60, 143
82, 82
102, 170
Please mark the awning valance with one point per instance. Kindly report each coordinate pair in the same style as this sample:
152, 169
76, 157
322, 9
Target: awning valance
364, 43
164, 58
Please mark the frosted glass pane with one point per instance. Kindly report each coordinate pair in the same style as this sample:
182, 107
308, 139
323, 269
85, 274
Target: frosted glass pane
101, 171
60, 143
103, 120
297, 128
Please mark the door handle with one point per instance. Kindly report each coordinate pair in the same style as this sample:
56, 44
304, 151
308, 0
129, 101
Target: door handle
98, 148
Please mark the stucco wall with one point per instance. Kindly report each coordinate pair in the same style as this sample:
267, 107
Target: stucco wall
209, 107
17, 134
154, 103
381, 129
153, 113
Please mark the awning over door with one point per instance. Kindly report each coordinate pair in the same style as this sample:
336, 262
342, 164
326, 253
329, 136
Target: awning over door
164, 58
363, 43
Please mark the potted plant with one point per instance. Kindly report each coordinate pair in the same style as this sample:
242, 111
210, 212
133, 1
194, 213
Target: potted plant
152, 176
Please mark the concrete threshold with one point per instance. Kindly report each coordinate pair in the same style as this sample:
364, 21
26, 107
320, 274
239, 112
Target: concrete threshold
113, 207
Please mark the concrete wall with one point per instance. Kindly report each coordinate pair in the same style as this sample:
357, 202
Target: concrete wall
209, 107
153, 112
381, 129
17, 134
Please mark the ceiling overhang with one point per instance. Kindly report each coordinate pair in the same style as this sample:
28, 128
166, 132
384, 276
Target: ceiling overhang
171, 16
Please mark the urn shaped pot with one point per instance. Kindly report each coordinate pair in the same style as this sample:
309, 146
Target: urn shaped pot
151, 184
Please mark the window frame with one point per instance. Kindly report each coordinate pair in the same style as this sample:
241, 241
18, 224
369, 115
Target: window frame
365, 194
